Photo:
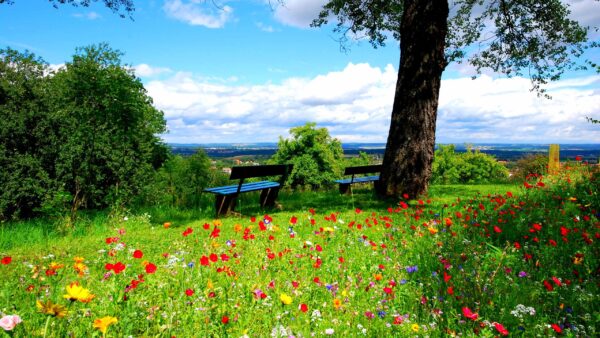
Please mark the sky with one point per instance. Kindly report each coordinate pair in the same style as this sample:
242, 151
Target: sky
246, 71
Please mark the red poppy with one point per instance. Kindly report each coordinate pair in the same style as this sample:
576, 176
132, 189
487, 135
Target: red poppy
206, 226
189, 292
204, 260
150, 268
556, 328
138, 254
319, 248
187, 232
295, 284
293, 220
303, 307
224, 257
215, 233
548, 286
446, 277
341, 259
213, 258
497, 229
6, 260
469, 314
450, 290
118, 267
501, 329
387, 290
556, 281
225, 320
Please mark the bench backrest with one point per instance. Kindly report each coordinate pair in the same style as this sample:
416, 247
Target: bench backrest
364, 169
242, 173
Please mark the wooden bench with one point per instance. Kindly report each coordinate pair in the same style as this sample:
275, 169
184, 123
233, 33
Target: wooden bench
226, 196
359, 170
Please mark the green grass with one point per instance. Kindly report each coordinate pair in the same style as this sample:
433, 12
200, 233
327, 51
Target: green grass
361, 266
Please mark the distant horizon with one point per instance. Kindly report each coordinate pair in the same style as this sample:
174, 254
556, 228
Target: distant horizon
383, 143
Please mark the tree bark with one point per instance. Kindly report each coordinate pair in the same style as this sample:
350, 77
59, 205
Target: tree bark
411, 139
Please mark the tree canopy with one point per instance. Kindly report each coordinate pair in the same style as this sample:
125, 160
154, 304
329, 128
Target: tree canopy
122, 7
87, 132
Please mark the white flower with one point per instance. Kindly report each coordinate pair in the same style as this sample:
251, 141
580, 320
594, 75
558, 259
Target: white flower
329, 331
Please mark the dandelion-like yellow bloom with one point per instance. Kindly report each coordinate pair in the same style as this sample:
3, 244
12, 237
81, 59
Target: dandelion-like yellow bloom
103, 323
51, 309
77, 292
217, 223
285, 299
415, 327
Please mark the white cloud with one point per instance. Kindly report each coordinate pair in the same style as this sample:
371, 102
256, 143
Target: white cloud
88, 15
198, 13
298, 13
265, 28
355, 105
145, 70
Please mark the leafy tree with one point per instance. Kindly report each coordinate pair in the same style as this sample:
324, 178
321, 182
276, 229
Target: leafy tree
450, 167
86, 134
317, 158
118, 6
109, 126
28, 134
512, 37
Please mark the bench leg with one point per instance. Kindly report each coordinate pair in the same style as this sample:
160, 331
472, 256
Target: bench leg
268, 197
344, 188
224, 204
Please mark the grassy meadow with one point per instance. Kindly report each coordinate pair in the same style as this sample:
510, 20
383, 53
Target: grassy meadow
467, 260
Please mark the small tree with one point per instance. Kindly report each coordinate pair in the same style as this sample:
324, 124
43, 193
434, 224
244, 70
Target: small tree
316, 156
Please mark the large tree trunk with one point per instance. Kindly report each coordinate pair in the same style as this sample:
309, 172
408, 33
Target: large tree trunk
411, 140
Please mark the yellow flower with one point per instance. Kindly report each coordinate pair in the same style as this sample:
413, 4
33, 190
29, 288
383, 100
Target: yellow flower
328, 229
237, 227
51, 309
337, 303
77, 292
285, 299
415, 327
210, 285
102, 324
217, 223
78, 259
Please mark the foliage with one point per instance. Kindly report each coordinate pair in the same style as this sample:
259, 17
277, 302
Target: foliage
450, 167
28, 134
521, 262
532, 164
180, 181
118, 6
88, 131
317, 158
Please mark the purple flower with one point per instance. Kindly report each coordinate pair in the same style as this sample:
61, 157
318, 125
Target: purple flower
411, 269
522, 274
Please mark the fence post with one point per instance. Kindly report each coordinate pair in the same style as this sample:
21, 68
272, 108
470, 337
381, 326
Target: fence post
554, 159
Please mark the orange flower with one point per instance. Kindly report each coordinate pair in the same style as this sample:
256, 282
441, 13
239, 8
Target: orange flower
337, 303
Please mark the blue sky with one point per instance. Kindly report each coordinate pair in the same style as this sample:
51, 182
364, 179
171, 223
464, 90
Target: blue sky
248, 71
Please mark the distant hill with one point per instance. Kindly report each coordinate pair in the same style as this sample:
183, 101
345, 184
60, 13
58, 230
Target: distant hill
503, 152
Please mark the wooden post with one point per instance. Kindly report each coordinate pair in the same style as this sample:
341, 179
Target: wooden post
554, 159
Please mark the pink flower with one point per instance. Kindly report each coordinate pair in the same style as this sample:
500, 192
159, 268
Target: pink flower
469, 314
9, 322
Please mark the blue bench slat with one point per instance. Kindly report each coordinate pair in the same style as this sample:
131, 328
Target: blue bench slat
358, 179
246, 187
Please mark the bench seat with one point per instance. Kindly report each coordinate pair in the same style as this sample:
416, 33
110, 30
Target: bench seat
358, 180
246, 187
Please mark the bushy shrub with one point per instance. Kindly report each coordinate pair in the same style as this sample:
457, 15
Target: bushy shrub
316, 156
180, 181
531, 164
450, 167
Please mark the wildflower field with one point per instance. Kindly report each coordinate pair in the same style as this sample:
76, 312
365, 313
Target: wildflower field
523, 262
